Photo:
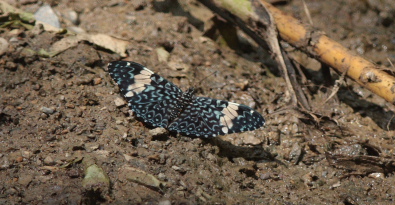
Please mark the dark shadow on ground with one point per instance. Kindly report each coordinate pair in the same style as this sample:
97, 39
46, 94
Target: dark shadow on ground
385, 119
229, 150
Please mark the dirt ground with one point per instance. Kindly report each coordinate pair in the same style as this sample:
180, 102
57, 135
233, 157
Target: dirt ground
67, 137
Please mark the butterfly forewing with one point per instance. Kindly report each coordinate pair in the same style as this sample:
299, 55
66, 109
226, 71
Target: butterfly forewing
207, 117
150, 96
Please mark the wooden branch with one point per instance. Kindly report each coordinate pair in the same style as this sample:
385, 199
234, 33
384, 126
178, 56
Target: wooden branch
314, 43
328, 51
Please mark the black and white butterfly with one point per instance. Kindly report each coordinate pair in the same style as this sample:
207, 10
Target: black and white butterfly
160, 103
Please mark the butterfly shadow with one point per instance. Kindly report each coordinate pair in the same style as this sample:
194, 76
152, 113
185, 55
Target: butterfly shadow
229, 150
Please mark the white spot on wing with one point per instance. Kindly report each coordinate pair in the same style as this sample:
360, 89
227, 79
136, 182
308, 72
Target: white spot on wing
229, 121
134, 86
141, 76
229, 113
234, 106
146, 69
222, 121
139, 90
129, 94
140, 81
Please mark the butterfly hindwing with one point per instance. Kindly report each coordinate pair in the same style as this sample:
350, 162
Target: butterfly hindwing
206, 117
149, 95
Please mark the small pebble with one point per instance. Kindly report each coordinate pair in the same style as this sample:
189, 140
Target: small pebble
48, 161
72, 16
102, 153
90, 147
162, 159
97, 81
242, 85
335, 185
3, 46
376, 175
163, 55
179, 169
19, 159
36, 87
62, 98
157, 131
128, 158
43, 116
250, 139
69, 105
73, 173
27, 154
25, 179
47, 110
161, 176
164, 202
47, 15
119, 102
13, 39
295, 153
264, 176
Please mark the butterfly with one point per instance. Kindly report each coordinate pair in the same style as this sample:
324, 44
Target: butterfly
159, 103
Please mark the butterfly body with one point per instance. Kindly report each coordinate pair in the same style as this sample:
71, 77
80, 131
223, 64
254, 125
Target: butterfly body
160, 103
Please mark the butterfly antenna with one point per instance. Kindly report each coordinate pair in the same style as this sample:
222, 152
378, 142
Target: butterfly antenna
205, 77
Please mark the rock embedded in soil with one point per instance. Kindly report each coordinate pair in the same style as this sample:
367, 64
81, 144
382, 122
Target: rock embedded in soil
163, 55
91, 146
179, 169
140, 177
49, 161
46, 14
3, 46
119, 102
43, 116
250, 139
47, 110
158, 131
164, 202
27, 154
72, 16
97, 81
295, 153
96, 179
25, 179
